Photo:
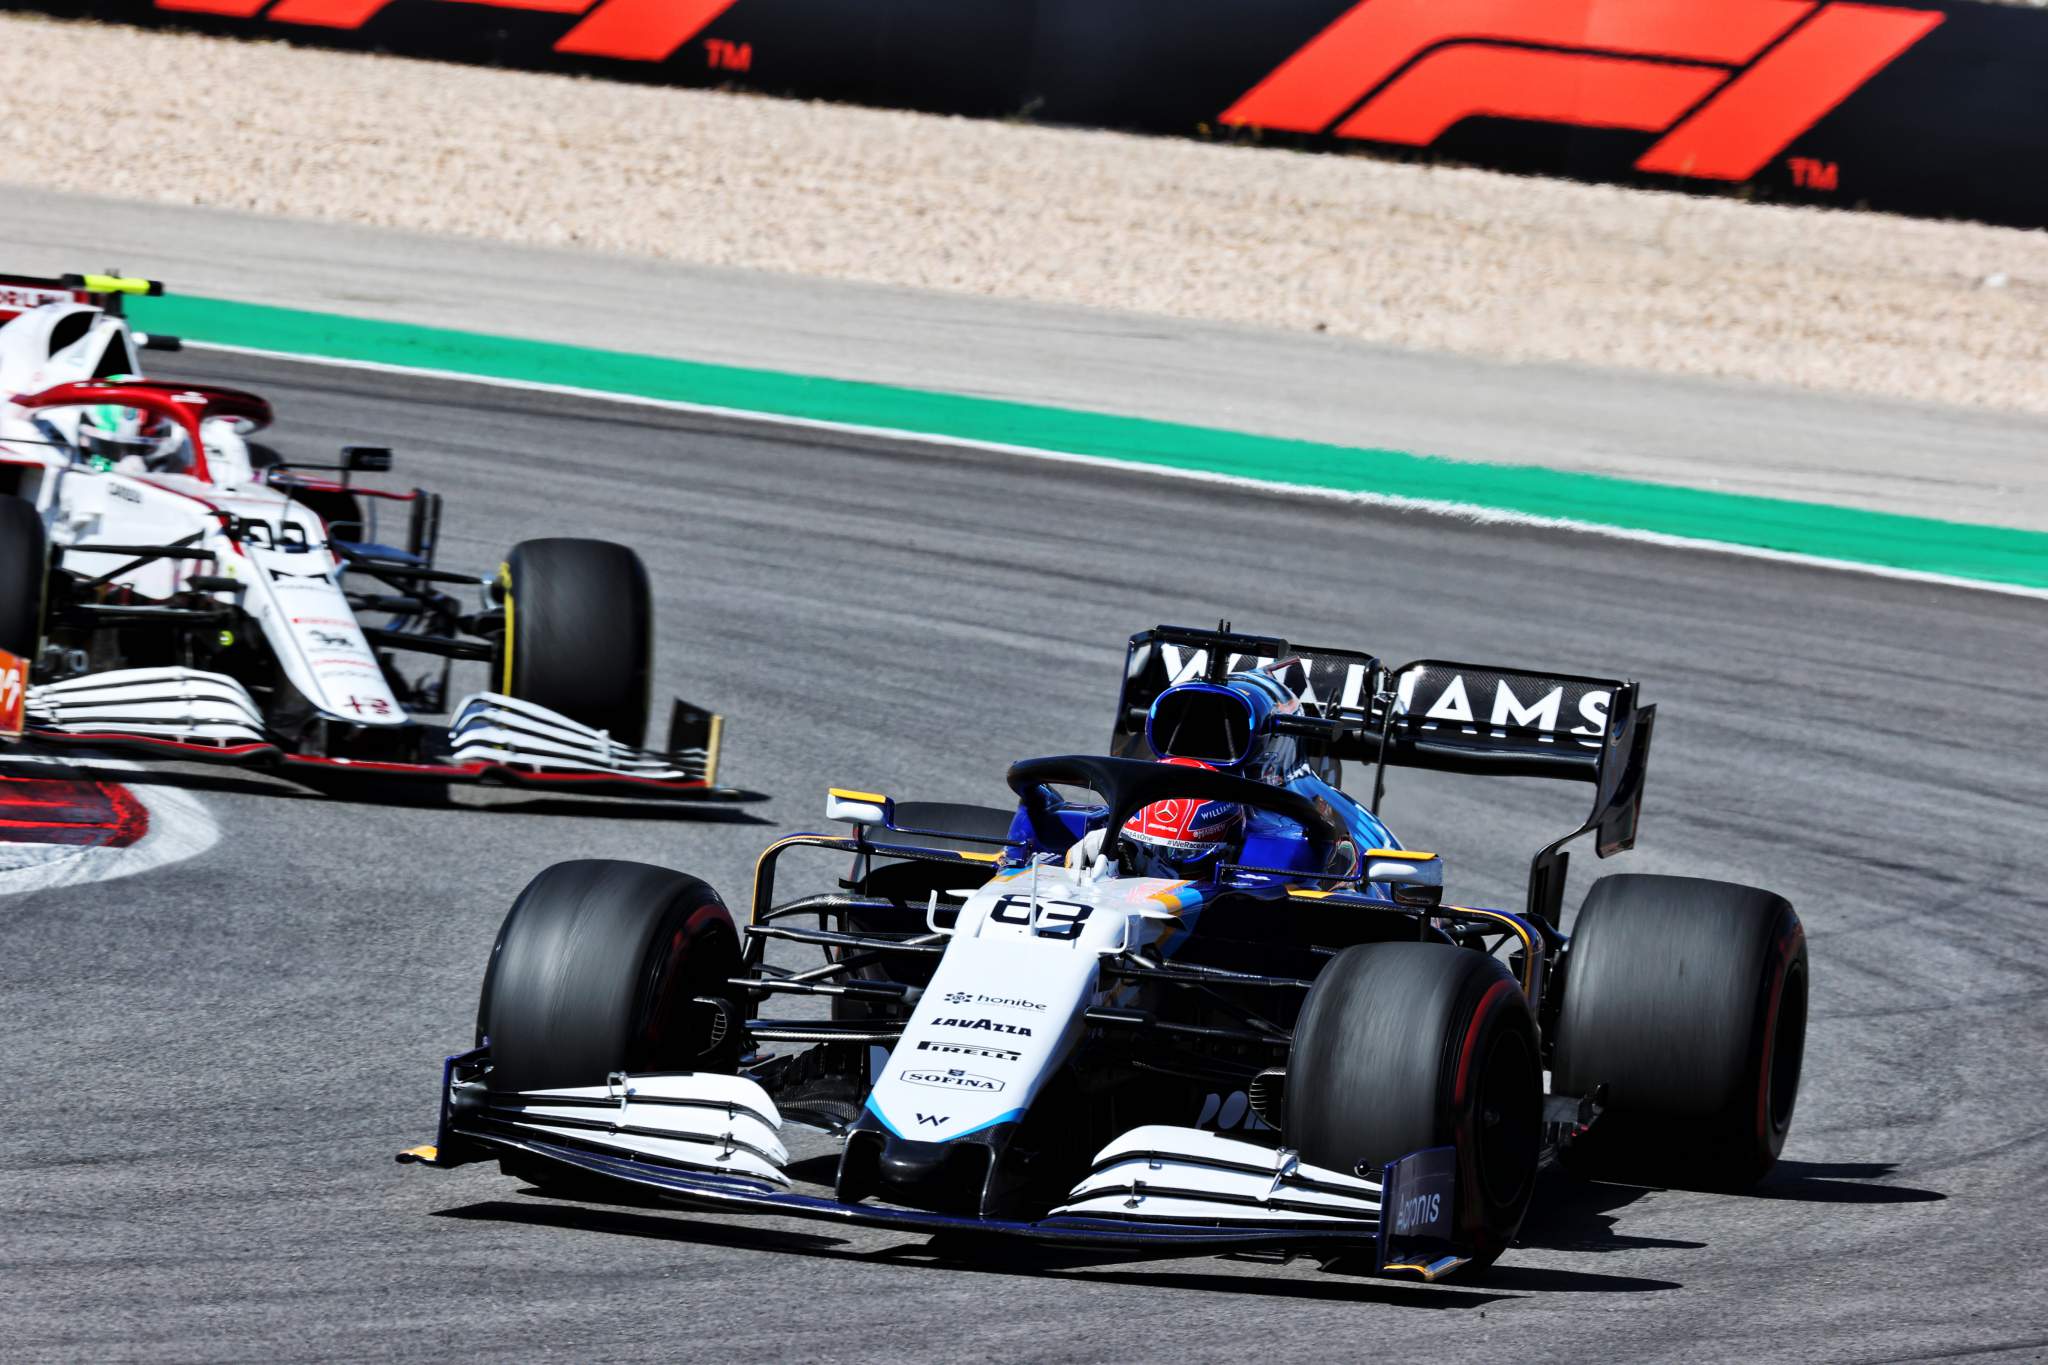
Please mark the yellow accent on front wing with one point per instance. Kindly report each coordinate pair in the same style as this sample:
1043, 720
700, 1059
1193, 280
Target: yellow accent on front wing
711, 750
1409, 854
847, 794
505, 581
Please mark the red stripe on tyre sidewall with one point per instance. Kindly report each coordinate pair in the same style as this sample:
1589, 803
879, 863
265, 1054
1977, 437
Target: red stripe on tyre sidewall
1472, 1040
1788, 948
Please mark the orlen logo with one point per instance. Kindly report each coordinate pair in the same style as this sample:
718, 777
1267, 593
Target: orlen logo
1728, 82
631, 30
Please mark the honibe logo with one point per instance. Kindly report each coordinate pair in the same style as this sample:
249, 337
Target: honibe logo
1729, 83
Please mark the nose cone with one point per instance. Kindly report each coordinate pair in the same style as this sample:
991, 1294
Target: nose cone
906, 1165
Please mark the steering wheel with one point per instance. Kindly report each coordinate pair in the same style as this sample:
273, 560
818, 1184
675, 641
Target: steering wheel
1131, 784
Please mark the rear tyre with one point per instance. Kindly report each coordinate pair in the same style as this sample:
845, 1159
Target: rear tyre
579, 633
599, 967
1402, 1046
1687, 999
24, 577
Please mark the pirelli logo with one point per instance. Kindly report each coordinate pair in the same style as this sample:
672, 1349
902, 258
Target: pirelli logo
629, 30
1728, 83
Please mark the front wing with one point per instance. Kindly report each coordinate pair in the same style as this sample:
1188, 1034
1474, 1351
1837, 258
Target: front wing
193, 715
713, 1142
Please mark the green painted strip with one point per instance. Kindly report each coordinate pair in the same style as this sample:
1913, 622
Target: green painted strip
1918, 544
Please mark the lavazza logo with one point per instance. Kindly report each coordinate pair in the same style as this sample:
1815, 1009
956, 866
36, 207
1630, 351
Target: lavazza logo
975, 998
1020, 1030
952, 1079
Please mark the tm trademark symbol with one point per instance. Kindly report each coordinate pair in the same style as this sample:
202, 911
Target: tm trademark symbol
720, 55
1809, 174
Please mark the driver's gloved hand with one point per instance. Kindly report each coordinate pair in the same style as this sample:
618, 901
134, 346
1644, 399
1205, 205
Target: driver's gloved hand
1084, 858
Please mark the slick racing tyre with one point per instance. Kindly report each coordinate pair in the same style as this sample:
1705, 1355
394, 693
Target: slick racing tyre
1402, 1046
24, 577
579, 633
1687, 1000
604, 966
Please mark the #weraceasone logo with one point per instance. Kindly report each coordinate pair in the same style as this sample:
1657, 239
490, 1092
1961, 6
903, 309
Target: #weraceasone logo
1728, 83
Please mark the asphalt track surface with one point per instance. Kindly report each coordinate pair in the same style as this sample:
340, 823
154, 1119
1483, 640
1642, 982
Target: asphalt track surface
211, 1066
1846, 450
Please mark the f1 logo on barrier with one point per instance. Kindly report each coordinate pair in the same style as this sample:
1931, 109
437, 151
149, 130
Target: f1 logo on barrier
630, 30
1729, 83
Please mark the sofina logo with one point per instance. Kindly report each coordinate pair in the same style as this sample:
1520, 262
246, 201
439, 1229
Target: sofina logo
1728, 84
951, 1079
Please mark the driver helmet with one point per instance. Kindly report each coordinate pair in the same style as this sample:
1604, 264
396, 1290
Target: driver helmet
1184, 839
147, 441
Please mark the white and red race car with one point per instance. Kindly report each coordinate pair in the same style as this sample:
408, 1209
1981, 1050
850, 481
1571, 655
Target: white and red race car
168, 587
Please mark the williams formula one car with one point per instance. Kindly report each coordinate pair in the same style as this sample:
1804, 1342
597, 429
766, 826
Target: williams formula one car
1047, 1024
169, 586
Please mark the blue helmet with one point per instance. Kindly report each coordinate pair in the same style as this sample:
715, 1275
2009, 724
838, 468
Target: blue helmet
1228, 725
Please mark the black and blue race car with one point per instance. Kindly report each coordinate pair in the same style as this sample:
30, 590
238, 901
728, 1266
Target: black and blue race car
1205, 1002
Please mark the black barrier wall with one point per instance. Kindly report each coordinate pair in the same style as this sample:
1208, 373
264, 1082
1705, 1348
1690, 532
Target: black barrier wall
1934, 107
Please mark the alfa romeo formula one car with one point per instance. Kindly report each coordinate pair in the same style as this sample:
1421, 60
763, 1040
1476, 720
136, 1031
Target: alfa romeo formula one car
170, 586
1034, 1033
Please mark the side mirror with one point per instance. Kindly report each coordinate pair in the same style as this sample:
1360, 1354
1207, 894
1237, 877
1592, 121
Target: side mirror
366, 459
158, 341
859, 808
1412, 878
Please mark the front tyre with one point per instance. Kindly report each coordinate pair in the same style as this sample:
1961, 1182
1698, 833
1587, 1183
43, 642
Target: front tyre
602, 966
1402, 1046
1686, 998
579, 633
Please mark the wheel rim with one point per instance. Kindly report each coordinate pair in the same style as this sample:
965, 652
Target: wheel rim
1788, 1050
1508, 1113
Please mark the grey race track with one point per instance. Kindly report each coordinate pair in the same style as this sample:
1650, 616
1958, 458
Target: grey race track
208, 1069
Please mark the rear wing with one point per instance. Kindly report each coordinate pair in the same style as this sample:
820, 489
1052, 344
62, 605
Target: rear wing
1437, 714
19, 293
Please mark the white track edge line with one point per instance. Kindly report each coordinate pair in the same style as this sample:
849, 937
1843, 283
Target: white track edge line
1471, 512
